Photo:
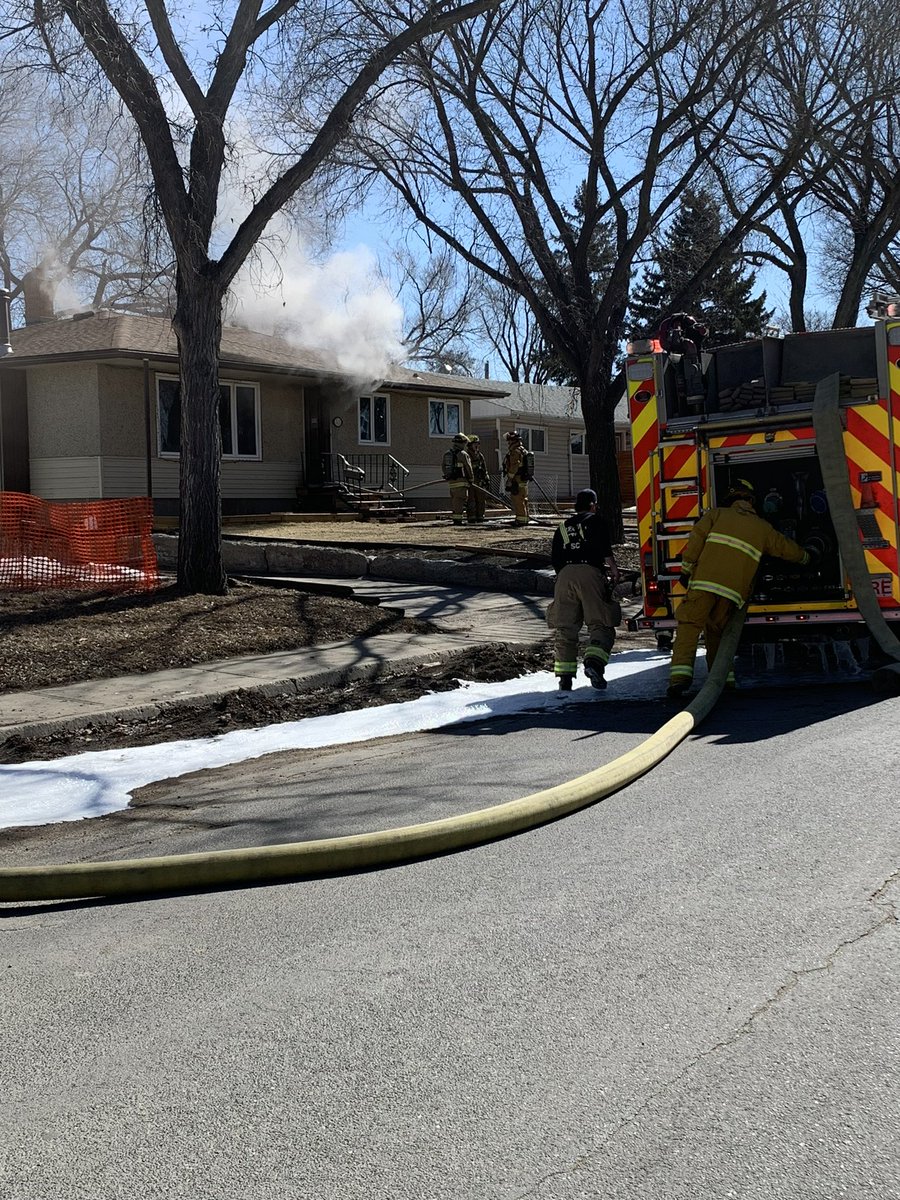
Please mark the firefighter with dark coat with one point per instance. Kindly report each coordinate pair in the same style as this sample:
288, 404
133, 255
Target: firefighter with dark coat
586, 574
457, 470
518, 466
482, 480
718, 567
681, 336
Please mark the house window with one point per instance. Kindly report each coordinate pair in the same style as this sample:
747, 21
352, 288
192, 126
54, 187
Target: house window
374, 420
576, 442
534, 438
238, 418
444, 420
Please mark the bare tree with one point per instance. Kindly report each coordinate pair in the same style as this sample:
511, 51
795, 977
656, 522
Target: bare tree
836, 216
508, 325
439, 302
185, 116
498, 127
72, 201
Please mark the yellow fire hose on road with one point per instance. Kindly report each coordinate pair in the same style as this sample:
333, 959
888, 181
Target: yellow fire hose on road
327, 856
390, 846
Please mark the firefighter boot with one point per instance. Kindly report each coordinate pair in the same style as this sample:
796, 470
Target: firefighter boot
594, 672
565, 683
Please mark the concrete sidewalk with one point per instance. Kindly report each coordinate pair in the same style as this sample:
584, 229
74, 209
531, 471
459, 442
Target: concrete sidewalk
466, 618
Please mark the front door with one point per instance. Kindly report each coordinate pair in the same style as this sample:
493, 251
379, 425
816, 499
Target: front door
317, 438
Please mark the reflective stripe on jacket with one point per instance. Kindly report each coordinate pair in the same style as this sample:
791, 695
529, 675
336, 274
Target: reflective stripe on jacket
725, 548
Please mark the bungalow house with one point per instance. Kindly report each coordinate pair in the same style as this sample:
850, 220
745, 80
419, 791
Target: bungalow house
89, 409
550, 422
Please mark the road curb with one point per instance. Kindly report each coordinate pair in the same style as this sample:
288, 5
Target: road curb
290, 685
246, 556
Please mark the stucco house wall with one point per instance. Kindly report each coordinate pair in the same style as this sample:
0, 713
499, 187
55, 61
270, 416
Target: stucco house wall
409, 439
85, 436
64, 431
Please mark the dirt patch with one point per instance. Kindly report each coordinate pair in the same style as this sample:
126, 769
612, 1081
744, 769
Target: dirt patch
54, 638
501, 535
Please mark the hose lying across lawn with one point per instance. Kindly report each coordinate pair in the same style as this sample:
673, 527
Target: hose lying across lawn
387, 846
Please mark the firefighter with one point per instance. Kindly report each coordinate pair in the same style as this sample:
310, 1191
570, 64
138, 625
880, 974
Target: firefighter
681, 336
718, 567
456, 467
518, 467
586, 574
477, 498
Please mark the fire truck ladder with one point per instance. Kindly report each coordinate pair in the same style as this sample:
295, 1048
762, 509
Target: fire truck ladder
673, 520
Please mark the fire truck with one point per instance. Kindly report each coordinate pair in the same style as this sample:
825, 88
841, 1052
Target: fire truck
752, 418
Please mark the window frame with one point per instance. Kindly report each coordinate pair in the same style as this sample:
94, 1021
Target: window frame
581, 435
232, 385
527, 430
445, 404
385, 396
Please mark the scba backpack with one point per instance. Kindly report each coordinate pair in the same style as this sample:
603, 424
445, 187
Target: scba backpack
449, 467
526, 471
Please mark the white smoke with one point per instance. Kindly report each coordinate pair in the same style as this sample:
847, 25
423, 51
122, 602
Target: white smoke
340, 307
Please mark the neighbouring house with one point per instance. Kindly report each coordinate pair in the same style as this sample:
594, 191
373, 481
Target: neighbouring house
89, 409
550, 422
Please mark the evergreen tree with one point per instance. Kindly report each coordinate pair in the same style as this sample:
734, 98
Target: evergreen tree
723, 303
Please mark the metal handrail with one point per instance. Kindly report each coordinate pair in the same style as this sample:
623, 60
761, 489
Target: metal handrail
354, 474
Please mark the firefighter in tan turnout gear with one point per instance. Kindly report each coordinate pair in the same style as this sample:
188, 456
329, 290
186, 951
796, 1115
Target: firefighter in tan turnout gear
718, 567
456, 467
518, 468
477, 497
586, 574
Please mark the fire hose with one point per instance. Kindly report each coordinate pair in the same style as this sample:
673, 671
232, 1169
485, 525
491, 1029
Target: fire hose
432, 482
833, 461
386, 847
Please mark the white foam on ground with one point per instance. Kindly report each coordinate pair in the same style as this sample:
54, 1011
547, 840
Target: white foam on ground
98, 782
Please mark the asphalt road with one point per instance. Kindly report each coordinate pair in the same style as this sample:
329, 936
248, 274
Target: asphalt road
689, 990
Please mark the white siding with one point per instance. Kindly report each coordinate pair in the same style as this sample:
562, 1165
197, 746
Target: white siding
240, 480
116, 477
419, 475
121, 477
66, 478
249, 480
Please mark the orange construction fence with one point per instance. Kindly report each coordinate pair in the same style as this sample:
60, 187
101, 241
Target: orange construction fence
103, 545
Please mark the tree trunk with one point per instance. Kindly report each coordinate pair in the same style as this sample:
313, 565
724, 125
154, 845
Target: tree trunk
598, 406
797, 277
198, 327
847, 312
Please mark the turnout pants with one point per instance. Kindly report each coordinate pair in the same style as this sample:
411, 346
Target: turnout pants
476, 505
518, 498
699, 612
582, 596
459, 498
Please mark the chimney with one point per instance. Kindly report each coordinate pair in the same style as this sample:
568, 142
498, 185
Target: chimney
486, 369
38, 288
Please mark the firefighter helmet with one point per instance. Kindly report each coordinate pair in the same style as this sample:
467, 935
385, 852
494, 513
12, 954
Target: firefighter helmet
741, 489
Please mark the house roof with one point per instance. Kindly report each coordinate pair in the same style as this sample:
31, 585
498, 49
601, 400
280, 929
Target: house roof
106, 335
537, 400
